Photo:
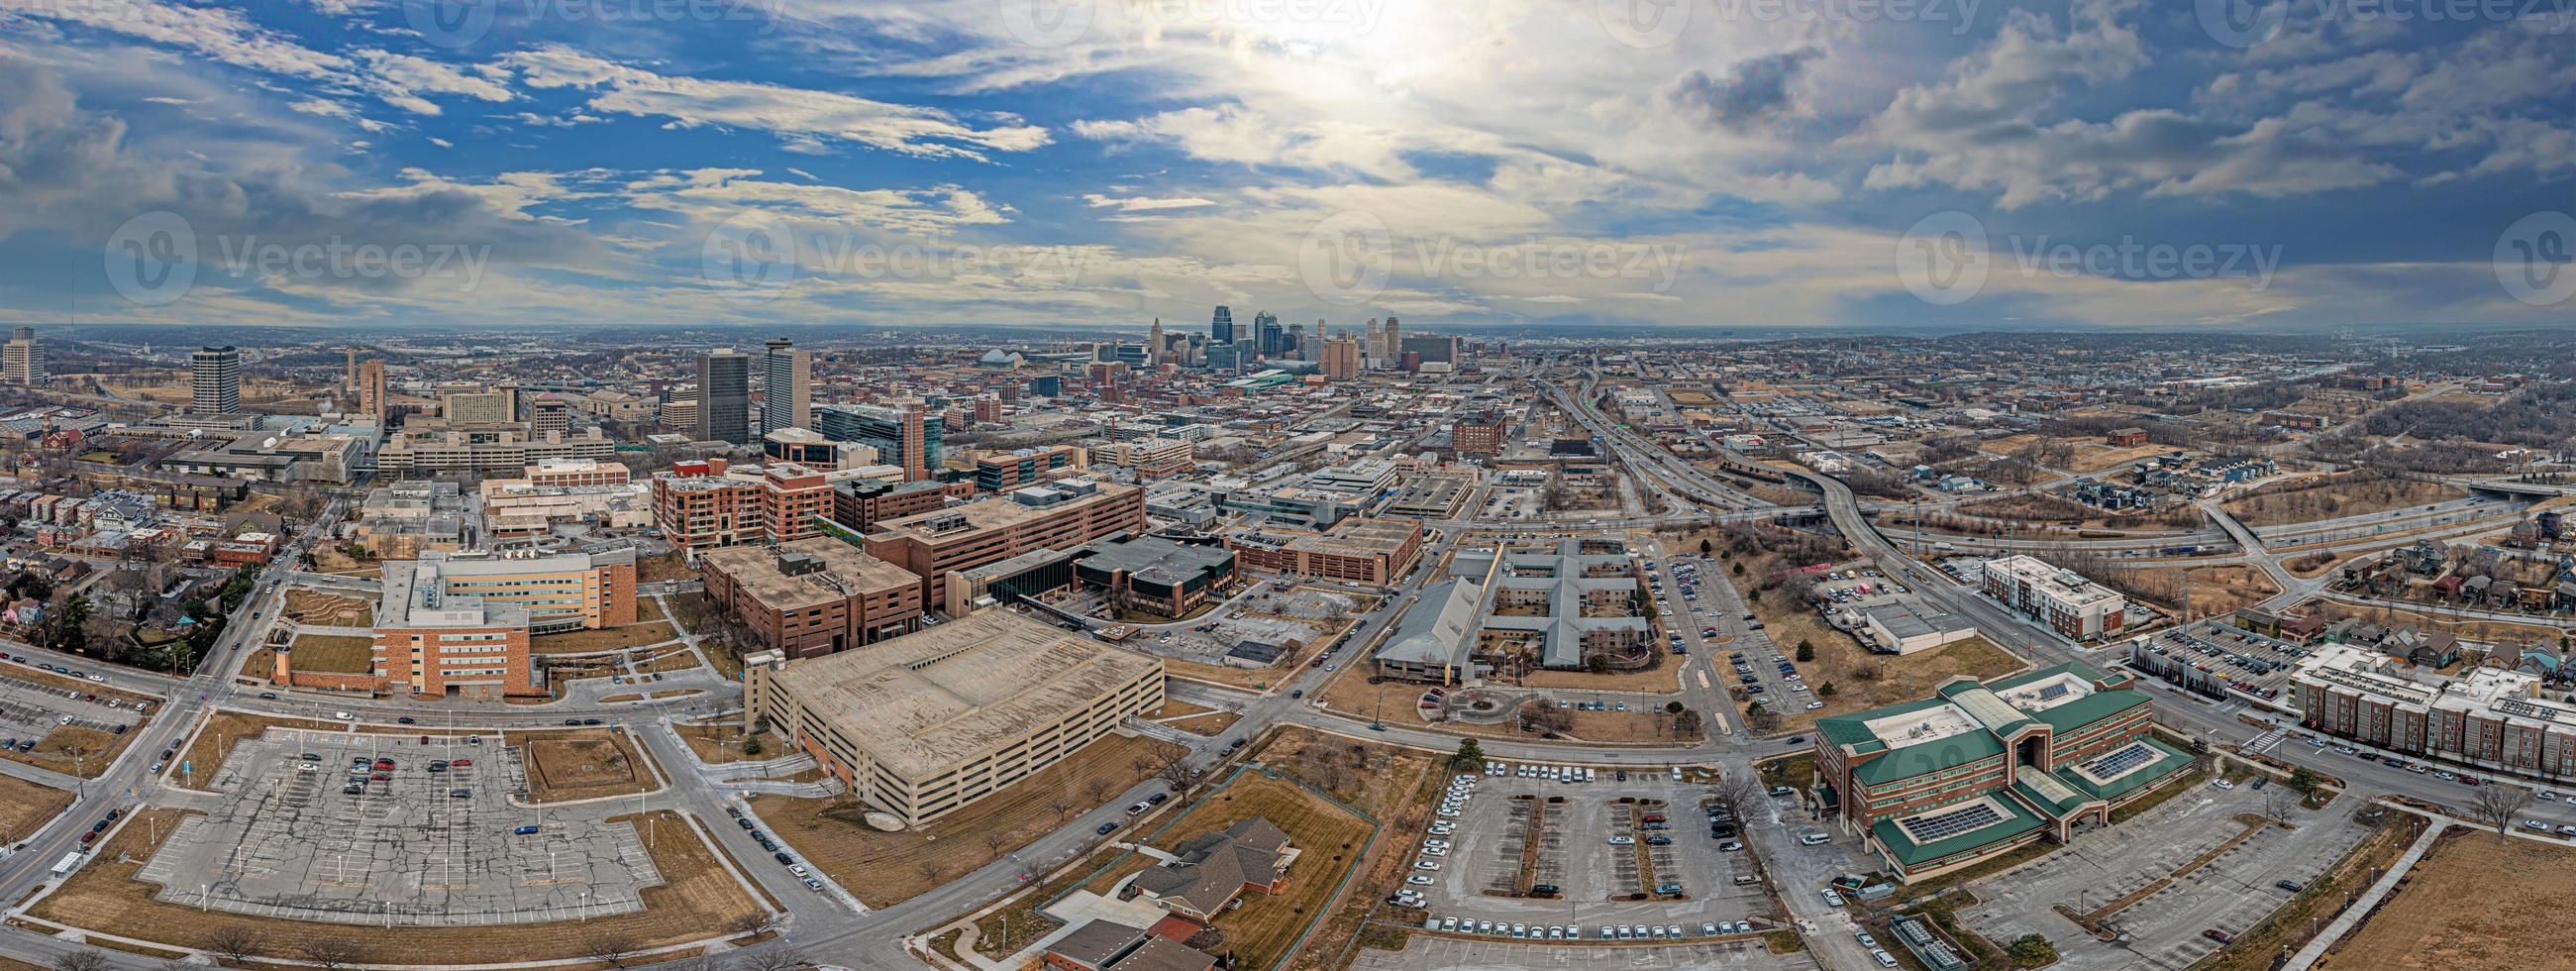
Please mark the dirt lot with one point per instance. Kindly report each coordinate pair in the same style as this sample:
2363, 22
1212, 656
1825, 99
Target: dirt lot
886, 868
2327, 497
2473, 902
205, 753
585, 764
334, 653
698, 899
636, 634
328, 610
2215, 589
722, 742
25, 805
2095, 456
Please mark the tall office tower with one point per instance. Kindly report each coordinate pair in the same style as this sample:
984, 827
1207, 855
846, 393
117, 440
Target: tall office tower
1154, 343
1394, 340
371, 389
724, 396
903, 437
23, 362
214, 380
1341, 359
549, 412
1221, 326
787, 387
349, 376
1266, 336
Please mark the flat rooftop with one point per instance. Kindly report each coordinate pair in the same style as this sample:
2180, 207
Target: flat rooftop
926, 701
995, 513
1360, 536
838, 570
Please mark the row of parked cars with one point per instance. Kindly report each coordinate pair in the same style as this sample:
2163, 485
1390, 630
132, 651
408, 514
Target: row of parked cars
798, 869
1574, 932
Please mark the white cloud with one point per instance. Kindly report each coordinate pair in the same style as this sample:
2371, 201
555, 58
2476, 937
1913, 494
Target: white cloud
691, 102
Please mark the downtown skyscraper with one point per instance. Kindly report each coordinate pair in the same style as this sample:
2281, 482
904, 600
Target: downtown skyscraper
724, 396
786, 387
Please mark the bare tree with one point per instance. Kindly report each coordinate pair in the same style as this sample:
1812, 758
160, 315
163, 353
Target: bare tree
330, 952
754, 921
85, 959
610, 947
1096, 791
1179, 774
231, 942
994, 840
773, 959
1733, 792
931, 871
2497, 804
2278, 801
1063, 806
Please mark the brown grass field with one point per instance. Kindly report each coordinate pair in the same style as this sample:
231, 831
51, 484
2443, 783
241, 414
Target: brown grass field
24, 806
1330, 838
1211, 724
1176, 709
886, 868
636, 634
75, 684
722, 742
214, 741
698, 899
2327, 497
333, 653
73, 750
584, 764
328, 610
2096, 456
2473, 902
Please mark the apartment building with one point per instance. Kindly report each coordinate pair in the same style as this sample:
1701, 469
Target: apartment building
2487, 717
922, 725
1058, 516
1979, 769
2063, 599
814, 596
861, 505
1149, 458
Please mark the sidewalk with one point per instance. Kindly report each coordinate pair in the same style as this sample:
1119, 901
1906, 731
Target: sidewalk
2351, 916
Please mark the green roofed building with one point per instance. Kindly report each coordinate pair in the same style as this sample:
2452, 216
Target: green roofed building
1980, 768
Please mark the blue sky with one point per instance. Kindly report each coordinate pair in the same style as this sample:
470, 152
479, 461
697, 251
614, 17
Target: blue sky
1958, 163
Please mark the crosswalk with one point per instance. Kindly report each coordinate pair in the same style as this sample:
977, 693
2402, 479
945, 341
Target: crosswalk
2267, 741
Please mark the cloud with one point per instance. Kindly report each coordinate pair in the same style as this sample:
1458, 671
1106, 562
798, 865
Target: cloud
1144, 204
1751, 93
691, 102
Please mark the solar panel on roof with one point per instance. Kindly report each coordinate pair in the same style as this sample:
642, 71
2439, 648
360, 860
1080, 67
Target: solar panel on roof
1929, 829
2052, 692
2122, 760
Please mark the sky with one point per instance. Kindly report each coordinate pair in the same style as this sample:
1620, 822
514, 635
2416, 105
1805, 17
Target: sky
448, 164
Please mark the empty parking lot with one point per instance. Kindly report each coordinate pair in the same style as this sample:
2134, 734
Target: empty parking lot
344, 837
2230, 892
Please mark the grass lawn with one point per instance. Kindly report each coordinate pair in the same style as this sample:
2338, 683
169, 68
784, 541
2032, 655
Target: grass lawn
333, 653
328, 610
583, 764
696, 900
2330, 496
1394, 785
76, 684
886, 868
603, 639
24, 806
1211, 724
1796, 772
668, 566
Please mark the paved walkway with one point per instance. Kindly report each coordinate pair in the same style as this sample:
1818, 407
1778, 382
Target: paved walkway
2351, 916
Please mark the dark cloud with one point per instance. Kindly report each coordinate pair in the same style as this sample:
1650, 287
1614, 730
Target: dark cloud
1750, 94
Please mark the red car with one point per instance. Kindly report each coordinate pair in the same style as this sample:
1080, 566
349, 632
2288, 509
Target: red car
381, 777
2220, 936
462, 763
